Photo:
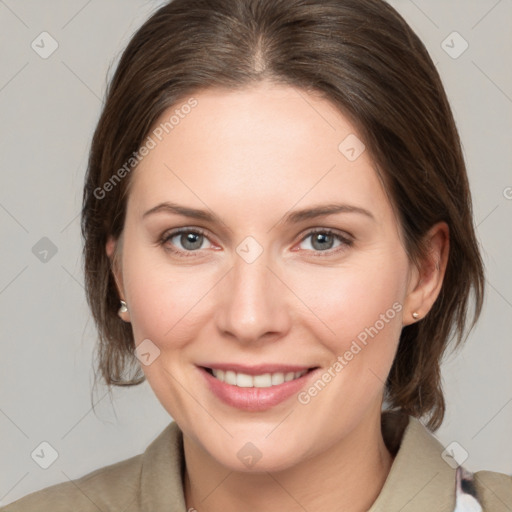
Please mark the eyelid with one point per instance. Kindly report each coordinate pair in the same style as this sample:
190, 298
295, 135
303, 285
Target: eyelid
167, 235
331, 231
345, 238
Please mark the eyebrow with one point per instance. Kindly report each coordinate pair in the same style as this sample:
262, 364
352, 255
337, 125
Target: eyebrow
293, 217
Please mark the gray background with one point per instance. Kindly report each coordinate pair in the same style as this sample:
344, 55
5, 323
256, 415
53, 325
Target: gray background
48, 110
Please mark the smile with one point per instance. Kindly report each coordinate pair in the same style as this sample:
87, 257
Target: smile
256, 392
265, 380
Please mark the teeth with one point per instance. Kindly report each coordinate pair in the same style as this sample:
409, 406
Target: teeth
242, 380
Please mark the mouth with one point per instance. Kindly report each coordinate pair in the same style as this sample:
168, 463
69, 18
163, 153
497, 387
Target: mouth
257, 390
262, 380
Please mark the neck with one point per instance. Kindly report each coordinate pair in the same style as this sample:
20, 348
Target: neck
349, 477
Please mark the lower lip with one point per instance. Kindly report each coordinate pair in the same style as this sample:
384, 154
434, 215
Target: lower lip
254, 399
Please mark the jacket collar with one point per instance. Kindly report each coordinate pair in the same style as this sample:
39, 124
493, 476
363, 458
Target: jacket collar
418, 479
161, 474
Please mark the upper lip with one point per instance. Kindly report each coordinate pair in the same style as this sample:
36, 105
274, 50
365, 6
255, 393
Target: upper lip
258, 369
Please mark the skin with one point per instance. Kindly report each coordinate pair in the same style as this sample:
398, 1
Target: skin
251, 156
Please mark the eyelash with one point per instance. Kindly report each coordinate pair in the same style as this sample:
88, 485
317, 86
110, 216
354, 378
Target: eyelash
347, 242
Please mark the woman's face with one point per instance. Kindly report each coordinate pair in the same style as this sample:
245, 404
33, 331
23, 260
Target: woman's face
256, 279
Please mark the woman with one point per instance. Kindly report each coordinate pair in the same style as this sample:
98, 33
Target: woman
276, 217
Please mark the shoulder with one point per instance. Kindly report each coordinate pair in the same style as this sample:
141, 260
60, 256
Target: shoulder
107, 488
494, 490
148, 481
425, 472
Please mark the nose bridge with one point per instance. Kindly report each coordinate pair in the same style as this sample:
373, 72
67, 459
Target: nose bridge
253, 302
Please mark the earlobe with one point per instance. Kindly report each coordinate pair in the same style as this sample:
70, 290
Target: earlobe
123, 311
112, 249
431, 271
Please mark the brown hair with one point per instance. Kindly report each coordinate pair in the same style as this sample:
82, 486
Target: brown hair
361, 56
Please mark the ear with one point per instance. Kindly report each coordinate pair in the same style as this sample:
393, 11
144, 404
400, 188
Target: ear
113, 250
427, 279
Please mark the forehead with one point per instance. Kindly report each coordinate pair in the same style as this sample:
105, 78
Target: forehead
265, 144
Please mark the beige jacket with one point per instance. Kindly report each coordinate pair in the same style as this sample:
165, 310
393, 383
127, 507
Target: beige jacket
420, 480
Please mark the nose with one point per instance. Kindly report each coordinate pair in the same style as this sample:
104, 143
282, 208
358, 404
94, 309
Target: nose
253, 302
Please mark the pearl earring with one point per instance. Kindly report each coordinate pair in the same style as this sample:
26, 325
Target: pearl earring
123, 308
415, 315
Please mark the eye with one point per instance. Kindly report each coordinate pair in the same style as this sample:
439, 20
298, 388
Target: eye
191, 240
322, 240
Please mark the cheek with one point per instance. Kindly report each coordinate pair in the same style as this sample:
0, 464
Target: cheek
358, 303
354, 295
164, 300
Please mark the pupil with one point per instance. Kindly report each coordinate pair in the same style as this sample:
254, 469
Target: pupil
194, 239
322, 237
